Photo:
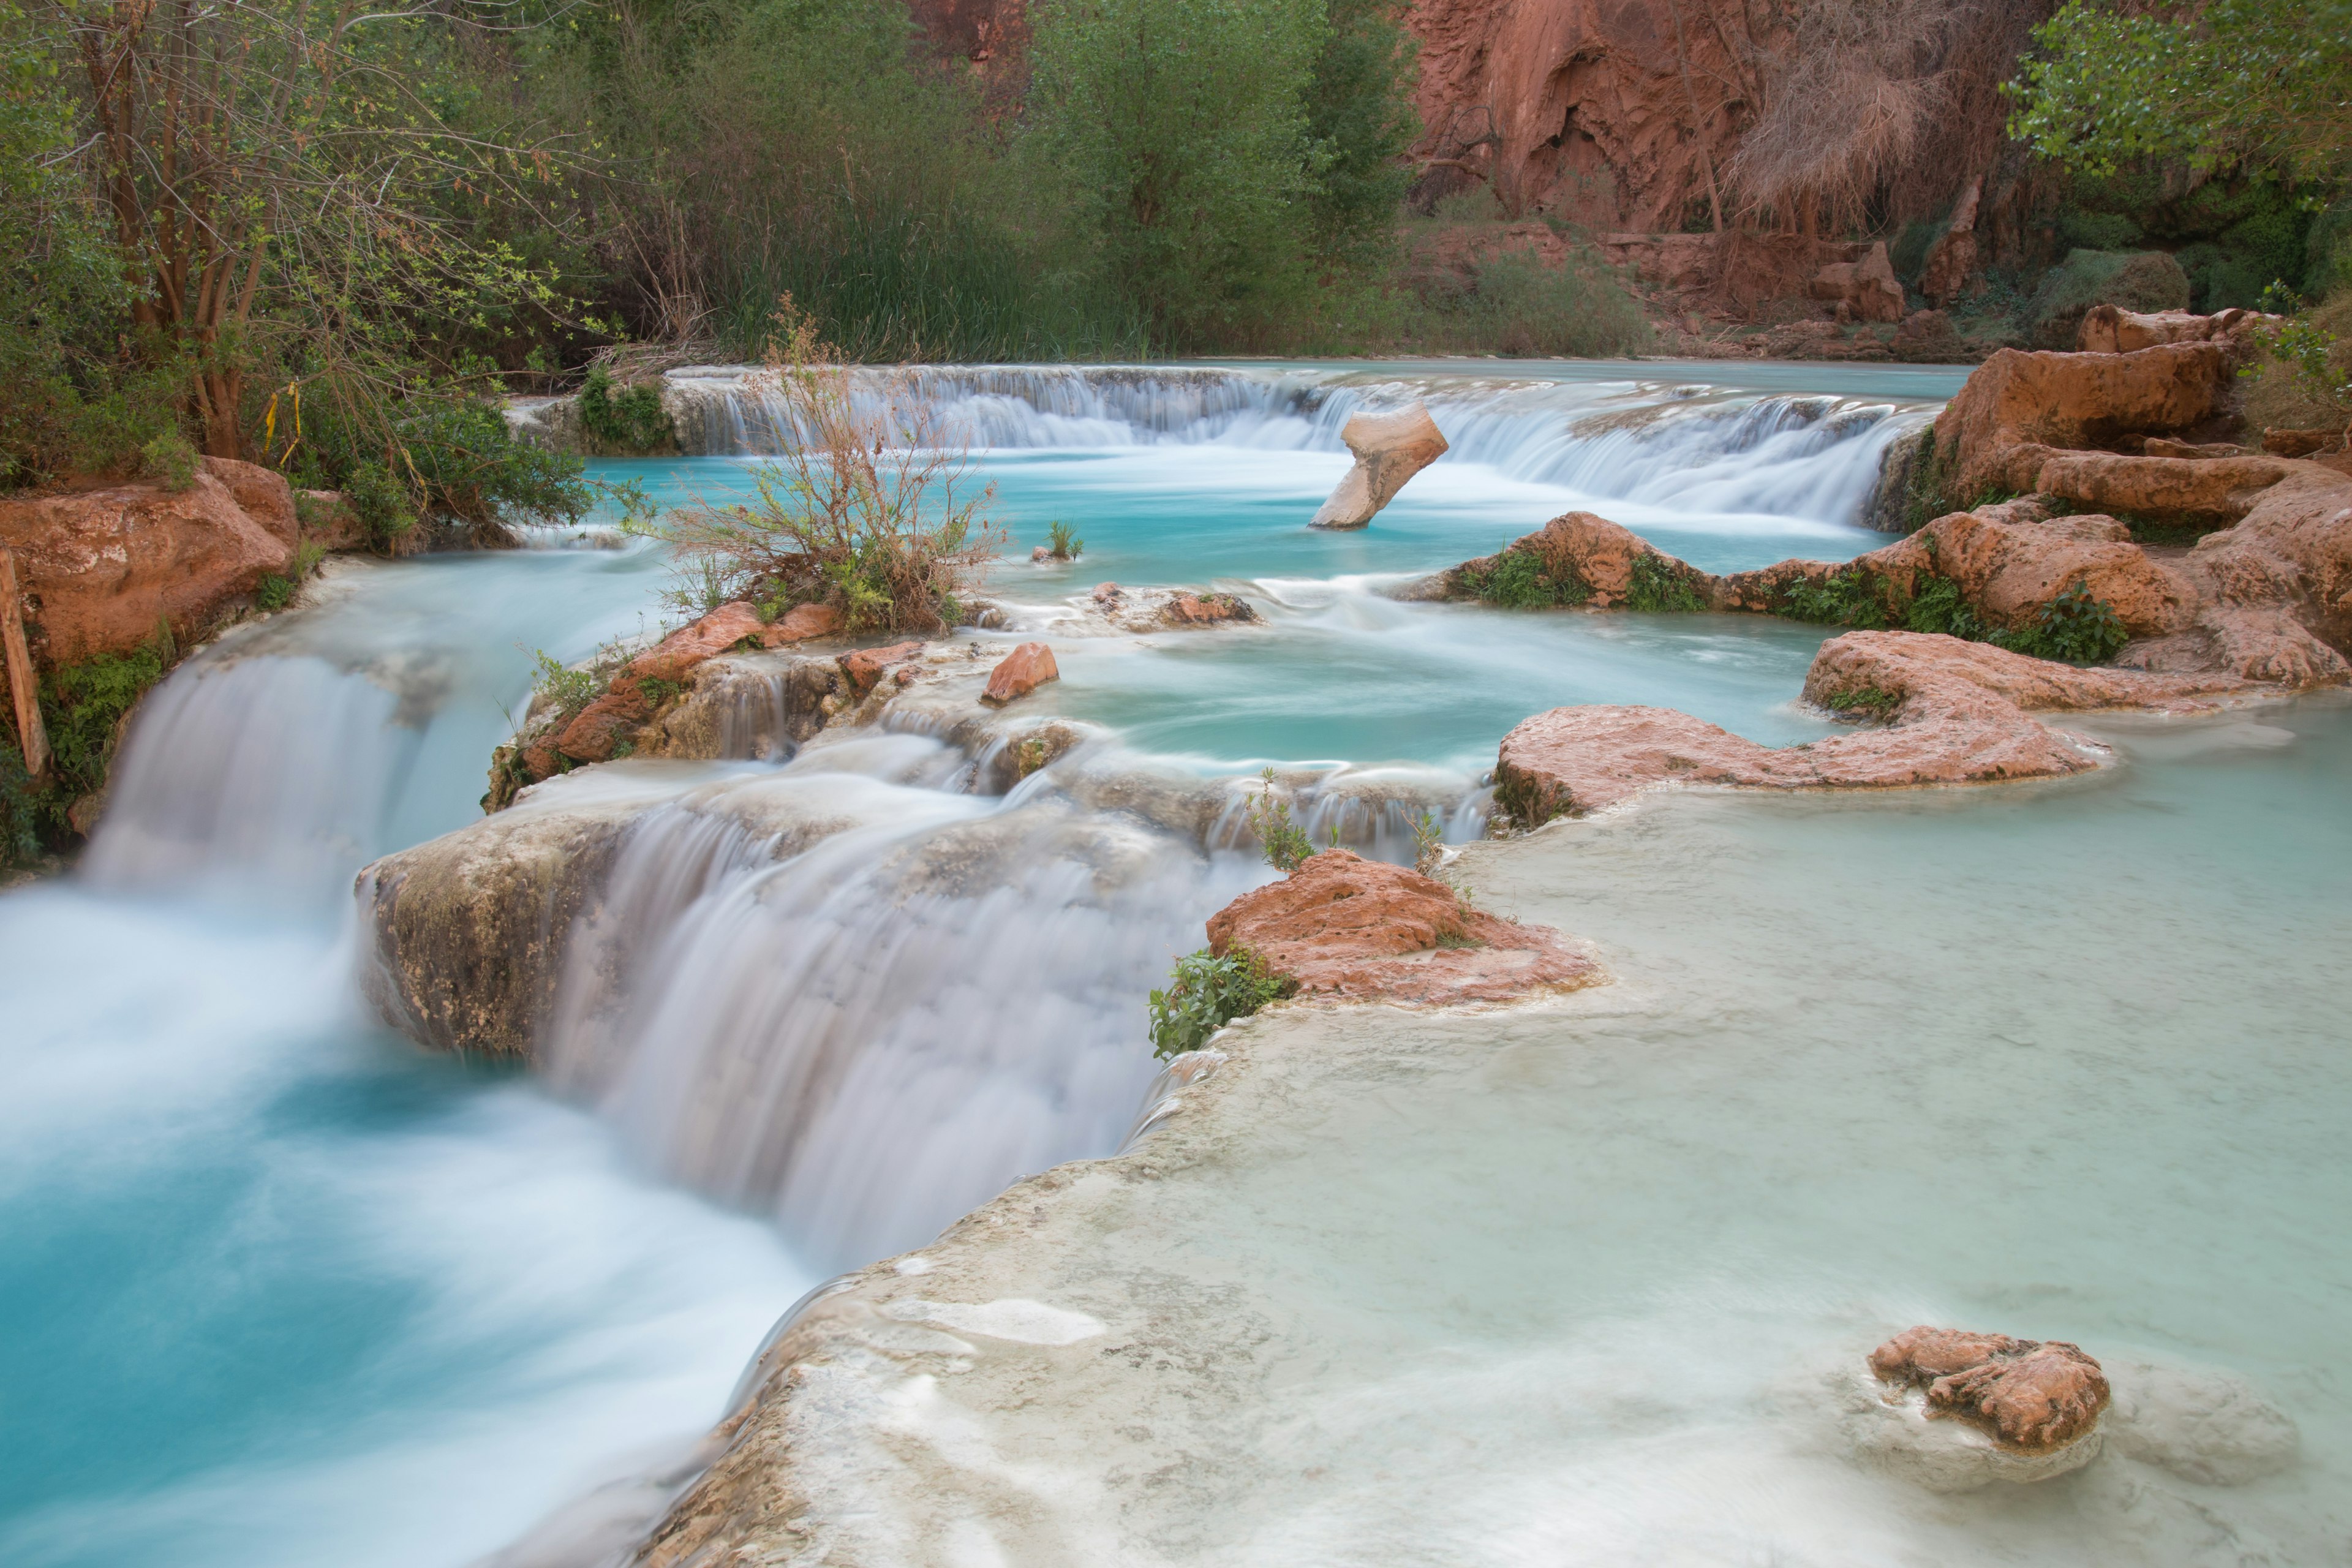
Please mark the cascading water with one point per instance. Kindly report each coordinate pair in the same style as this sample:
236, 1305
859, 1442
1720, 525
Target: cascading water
281, 1279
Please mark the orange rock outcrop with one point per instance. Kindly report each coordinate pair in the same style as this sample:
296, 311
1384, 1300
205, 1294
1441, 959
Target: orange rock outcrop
1956, 712
101, 569
1342, 926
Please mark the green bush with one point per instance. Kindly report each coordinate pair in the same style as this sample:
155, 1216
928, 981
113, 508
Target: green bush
1061, 540
1938, 607
2149, 280
632, 420
1514, 304
1519, 579
170, 461
1659, 585
1205, 993
2074, 627
1854, 597
273, 593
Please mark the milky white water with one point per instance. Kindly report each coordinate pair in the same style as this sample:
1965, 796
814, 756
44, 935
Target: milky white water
278, 1289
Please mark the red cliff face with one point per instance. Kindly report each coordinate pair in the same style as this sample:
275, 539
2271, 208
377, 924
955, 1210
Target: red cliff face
1579, 109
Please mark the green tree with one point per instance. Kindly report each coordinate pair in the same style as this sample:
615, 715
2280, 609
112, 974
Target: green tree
2231, 82
1360, 118
1180, 129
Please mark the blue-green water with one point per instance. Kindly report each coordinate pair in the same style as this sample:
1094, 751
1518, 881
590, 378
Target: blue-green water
275, 1289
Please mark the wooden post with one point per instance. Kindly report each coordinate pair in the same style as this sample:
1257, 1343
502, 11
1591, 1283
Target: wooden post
31, 735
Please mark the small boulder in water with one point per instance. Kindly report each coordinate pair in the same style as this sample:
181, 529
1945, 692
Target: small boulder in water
865, 667
1109, 593
2203, 1425
1206, 610
2030, 1395
1390, 449
1024, 671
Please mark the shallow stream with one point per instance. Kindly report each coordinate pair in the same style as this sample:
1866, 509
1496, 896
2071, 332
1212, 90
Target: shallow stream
277, 1288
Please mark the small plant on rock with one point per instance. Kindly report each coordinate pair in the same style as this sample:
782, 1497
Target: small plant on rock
1847, 598
1428, 843
1659, 585
1286, 844
1062, 541
871, 508
2074, 627
1864, 702
1520, 579
1205, 993
630, 420
170, 461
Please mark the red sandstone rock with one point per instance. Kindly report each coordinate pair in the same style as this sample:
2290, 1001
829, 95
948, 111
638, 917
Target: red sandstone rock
2111, 329
713, 635
1952, 259
2031, 405
1022, 671
1390, 448
1868, 285
801, 623
2301, 443
1109, 593
1583, 547
1957, 710
865, 667
1206, 610
596, 733
2030, 1395
1344, 926
100, 568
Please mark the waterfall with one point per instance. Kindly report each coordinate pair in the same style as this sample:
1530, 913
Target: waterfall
1643, 440
876, 1035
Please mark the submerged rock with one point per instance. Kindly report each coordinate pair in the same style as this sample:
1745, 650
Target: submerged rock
1021, 672
1346, 927
1390, 449
1206, 610
2203, 1425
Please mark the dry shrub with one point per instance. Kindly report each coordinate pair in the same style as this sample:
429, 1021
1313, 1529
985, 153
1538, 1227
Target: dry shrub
1850, 94
872, 507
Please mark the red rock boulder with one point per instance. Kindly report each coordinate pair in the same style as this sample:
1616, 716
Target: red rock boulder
2045, 403
2033, 1396
100, 569
864, 667
1022, 671
1344, 926
1206, 610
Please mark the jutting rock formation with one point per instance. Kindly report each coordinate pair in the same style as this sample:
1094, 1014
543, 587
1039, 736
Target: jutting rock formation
1342, 927
102, 568
1956, 712
1390, 449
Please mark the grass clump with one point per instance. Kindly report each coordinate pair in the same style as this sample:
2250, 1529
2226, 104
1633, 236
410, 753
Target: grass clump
1659, 585
1522, 580
1062, 541
630, 420
871, 510
1854, 597
1286, 843
1867, 701
1205, 993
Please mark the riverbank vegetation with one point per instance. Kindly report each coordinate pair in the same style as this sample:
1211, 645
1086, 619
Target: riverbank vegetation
325, 238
